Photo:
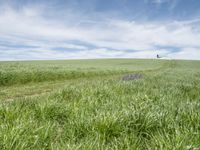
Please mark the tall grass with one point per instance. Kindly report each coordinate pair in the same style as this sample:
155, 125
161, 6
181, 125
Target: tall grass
159, 111
38, 71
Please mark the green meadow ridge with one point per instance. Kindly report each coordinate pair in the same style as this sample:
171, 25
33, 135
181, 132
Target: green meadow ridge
85, 104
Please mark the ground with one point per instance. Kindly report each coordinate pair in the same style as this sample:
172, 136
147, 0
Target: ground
87, 104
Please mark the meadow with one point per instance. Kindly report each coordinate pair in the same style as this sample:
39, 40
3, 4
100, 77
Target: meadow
85, 104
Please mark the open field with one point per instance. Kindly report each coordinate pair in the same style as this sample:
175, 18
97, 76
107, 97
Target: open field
85, 104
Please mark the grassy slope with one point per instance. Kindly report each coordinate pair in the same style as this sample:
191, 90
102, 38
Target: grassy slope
162, 110
40, 77
39, 71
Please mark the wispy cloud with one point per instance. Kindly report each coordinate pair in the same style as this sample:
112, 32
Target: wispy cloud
159, 1
28, 34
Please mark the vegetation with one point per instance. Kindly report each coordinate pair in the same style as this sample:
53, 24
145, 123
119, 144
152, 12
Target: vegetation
85, 104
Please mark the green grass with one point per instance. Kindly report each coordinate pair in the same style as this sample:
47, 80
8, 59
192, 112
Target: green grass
39, 71
84, 104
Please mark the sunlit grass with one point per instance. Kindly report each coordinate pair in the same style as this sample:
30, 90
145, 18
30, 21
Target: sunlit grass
159, 111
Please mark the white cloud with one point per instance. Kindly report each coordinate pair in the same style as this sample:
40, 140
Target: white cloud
187, 53
111, 37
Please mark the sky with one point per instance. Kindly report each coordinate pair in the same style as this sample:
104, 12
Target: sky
89, 29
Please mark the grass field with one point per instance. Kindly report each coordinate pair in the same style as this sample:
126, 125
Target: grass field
85, 104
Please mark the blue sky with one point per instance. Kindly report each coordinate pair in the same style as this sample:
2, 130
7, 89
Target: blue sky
80, 29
